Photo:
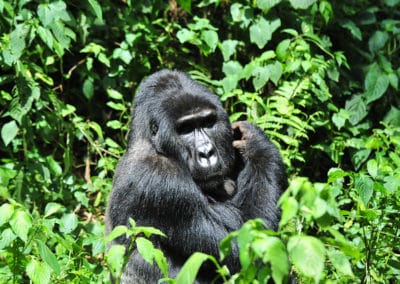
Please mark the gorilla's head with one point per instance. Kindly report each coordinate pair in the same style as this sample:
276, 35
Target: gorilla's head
185, 122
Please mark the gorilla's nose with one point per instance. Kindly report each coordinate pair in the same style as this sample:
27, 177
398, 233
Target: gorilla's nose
206, 155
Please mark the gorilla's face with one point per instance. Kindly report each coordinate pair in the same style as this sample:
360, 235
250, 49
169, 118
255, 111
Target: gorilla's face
207, 146
199, 137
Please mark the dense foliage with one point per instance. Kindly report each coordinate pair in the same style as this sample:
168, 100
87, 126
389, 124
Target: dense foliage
321, 77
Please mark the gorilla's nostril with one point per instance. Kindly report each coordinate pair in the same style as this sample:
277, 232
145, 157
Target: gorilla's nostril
205, 151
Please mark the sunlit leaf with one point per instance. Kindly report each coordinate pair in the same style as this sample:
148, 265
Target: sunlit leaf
48, 257
308, 255
20, 223
365, 188
261, 31
6, 211
9, 131
146, 249
38, 272
340, 262
301, 4
68, 223
191, 267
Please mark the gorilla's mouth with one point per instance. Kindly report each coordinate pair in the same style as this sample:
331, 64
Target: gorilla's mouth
210, 183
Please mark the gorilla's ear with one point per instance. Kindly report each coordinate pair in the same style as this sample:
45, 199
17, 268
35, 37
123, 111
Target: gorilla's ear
153, 127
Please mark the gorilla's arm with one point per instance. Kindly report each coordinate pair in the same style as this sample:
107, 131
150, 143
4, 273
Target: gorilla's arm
263, 178
154, 191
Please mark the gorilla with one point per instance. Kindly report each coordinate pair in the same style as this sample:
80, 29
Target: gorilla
190, 173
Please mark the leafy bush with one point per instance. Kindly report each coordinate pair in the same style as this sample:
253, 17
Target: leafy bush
319, 77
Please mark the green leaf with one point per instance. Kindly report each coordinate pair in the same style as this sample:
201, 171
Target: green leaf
352, 27
372, 167
225, 246
185, 35
232, 68
115, 258
339, 119
52, 208
48, 257
115, 233
360, 157
301, 4
260, 77
244, 239
148, 231
378, 41
229, 84
376, 83
282, 50
88, 88
114, 94
392, 3
146, 249
392, 183
210, 38
228, 48
54, 166
365, 188
308, 255
96, 9
191, 267
275, 72
265, 5
82, 198
9, 131
114, 124
357, 109
68, 223
16, 45
6, 211
38, 272
393, 116
6, 238
261, 31
46, 36
273, 251
340, 262
379, 88
161, 261
116, 106
290, 208
20, 224
185, 4
237, 12
67, 110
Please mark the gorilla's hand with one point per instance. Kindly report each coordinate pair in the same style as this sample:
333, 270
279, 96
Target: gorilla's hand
229, 187
243, 132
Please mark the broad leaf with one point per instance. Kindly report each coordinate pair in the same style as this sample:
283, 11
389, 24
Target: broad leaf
340, 262
308, 255
20, 224
365, 188
38, 272
261, 31
301, 4
191, 268
68, 223
48, 257
9, 131
146, 249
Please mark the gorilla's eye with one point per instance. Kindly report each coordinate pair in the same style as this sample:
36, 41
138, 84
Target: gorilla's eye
209, 121
153, 128
202, 118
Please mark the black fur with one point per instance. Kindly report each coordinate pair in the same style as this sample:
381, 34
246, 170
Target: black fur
157, 185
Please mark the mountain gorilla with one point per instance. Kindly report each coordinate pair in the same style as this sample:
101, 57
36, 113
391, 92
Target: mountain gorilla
188, 172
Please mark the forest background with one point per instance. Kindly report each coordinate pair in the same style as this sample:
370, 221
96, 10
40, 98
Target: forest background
320, 77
